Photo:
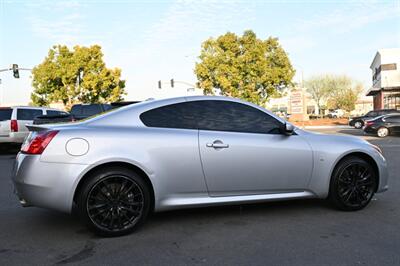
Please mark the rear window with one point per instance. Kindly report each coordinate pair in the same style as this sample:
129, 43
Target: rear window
54, 113
5, 114
28, 114
89, 110
76, 109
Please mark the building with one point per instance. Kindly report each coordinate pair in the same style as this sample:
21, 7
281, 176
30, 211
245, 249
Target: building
386, 79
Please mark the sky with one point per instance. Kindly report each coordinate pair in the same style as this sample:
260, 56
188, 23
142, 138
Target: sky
159, 40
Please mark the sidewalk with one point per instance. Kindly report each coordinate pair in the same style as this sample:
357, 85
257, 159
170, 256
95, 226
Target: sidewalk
323, 123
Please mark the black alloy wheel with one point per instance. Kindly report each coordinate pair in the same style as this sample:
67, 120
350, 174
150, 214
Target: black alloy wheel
353, 184
114, 202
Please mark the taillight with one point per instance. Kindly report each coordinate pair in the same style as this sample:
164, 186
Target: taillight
369, 123
38, 142
14, 126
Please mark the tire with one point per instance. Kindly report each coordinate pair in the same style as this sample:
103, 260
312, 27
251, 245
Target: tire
358, 124
114, 201
382, 132
353, 184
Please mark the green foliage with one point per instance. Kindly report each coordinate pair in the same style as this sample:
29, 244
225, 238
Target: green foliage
243, 67
344, 93
77, 75
338, 91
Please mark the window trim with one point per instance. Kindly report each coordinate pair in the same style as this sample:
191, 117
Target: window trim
278, 122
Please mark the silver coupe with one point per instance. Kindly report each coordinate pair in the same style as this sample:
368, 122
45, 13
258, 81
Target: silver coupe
116, 168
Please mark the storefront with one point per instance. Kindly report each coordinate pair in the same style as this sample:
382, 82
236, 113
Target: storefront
391, 100
386, 79
386, 99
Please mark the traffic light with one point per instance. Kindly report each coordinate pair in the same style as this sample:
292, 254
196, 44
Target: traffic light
172, 83
159, 84
15, 71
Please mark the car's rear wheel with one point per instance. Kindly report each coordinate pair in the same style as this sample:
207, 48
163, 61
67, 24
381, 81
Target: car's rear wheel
114, 201
382, 132
353, 184
358, 124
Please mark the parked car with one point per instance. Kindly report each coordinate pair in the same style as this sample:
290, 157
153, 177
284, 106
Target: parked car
79, 112
358, 121
336, 113
189, 152
13, 121
383, 126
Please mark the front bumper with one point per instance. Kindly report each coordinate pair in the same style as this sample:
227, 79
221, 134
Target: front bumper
46, 185
370, 129
383, 173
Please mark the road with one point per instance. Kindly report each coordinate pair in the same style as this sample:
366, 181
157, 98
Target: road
305, 232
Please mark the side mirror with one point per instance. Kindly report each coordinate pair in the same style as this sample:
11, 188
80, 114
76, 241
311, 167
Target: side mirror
287, 129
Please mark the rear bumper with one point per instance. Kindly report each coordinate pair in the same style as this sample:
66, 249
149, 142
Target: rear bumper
14, 137
6, 139
47, 185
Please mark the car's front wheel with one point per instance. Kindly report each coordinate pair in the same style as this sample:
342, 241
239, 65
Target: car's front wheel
382, 132
353, 184
114, 201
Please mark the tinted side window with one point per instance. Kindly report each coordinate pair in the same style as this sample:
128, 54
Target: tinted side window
234, 117
393, 119
89, 110
52, 112
371, 114
180, 115
28, 114
211, 115
76, 109
107, 107
5, 114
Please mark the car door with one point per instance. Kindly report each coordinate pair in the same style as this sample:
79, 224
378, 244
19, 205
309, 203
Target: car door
243, 152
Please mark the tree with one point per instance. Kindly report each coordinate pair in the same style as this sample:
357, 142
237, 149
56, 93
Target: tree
343, 93
77, 75
243, 66
319, 88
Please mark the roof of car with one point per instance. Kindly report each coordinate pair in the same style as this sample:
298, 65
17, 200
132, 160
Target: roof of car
117, 115
34, 107
392, 114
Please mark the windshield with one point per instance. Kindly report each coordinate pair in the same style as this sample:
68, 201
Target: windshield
5, 114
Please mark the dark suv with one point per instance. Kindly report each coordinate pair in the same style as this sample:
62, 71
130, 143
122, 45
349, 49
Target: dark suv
79, 112
359, 121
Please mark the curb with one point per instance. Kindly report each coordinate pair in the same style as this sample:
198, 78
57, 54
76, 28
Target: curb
324, 127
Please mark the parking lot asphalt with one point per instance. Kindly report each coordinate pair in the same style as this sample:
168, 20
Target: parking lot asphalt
305, 232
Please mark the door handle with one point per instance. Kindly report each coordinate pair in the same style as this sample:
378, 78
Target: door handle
217, 145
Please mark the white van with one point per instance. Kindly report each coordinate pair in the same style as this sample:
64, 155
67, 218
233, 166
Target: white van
14, 119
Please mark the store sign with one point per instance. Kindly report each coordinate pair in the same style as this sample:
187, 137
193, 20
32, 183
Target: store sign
296, 102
